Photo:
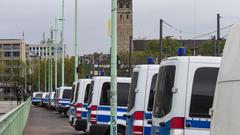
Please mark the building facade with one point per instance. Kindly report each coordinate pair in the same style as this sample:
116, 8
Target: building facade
125, 24
43, 50
12, 53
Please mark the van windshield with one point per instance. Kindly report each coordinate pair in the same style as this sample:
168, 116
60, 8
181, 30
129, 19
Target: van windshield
203, 89
90, 93
165, 83
76, 92
152, 92
86, 93
67, 93
38, 95
72, 94
132, 93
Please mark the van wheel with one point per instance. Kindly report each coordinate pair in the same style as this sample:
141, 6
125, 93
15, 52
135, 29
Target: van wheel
121, 131
66, 113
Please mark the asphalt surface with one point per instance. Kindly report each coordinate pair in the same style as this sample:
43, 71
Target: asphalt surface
44, 122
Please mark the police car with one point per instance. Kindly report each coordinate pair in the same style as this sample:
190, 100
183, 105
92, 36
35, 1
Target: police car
140, 100
37, 98
81, 104
99, 105
184, 95
63, 99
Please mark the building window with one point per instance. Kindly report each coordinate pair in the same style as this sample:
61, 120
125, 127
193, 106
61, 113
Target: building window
16, 54
127, 16
120, 5
121, 17
7, 54
33, 48
127, 5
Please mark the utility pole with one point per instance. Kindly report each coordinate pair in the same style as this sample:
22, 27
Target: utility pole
113, 130
51, 56
215, 47
130, 56
62, 43
45, 63
76, 41
56, 53
48, 61
161, 40
218, 35
39, 81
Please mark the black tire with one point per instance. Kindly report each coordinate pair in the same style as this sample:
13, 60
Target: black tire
66, 114
121, 131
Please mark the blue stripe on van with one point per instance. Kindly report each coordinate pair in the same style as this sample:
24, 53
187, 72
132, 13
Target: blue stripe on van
194, 124
106, 118
108, 108
84, 114
198, 123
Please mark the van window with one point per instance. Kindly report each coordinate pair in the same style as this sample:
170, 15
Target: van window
163, 101
76, 93
67, 93
152, 92
47, 96
86, 93
132, 94
203, 89
90, 93
72, 94
122, 94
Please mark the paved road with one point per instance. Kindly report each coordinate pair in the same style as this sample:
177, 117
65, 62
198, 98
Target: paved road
44, 122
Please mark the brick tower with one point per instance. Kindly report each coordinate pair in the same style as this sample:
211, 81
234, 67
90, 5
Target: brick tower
125, 24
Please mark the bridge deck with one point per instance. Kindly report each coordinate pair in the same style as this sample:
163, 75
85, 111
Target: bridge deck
44, 122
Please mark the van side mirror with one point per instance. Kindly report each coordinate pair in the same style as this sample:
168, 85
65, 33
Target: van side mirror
174, 90
211, 112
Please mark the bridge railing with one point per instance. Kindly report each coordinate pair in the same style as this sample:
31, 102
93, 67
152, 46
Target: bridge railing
13, 122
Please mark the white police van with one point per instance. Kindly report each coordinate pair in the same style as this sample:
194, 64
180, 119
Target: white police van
75, 88
81, 104
37, 98
225, 120
63, 99
51, 100
99, 105
140, 102
184, 95
45, 97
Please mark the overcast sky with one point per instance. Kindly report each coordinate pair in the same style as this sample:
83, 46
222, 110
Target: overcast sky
37, 16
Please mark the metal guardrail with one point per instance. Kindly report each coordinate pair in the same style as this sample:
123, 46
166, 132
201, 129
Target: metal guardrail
13, 122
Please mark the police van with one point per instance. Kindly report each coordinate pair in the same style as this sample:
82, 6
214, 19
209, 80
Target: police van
75, 88
37, 98
140, 100
184, 95
225, 120
99, 105
45, 97
81, 103
63, 99
51, 100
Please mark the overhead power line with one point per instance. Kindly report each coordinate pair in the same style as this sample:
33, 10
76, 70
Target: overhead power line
203, 35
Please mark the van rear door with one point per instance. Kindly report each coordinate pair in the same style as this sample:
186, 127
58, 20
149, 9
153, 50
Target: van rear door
200, 91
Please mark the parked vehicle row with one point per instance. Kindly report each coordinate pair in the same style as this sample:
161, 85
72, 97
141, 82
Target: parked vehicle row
171, 98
